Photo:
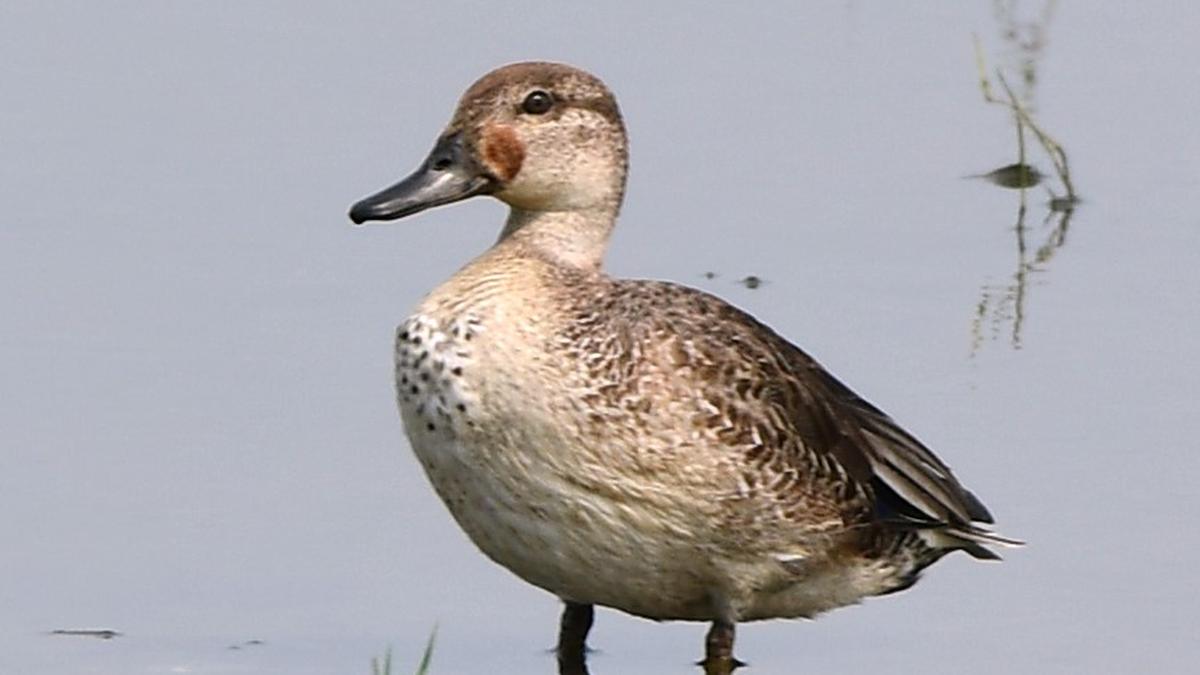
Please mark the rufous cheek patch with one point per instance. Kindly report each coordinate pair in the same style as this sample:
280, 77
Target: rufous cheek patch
503, 151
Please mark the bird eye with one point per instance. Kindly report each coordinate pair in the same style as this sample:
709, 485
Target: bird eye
537, 103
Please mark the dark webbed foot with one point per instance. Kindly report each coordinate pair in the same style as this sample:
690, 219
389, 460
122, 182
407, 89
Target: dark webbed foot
718, 650
572, 639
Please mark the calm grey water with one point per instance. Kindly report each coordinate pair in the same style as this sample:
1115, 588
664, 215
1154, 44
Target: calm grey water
198, 443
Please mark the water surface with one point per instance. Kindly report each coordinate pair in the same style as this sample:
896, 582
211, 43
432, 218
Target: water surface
198, 438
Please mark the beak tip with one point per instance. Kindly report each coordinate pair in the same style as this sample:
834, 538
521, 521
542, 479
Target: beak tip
361, 213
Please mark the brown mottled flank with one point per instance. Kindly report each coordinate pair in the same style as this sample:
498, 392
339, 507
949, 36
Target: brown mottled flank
502, 151
640, 444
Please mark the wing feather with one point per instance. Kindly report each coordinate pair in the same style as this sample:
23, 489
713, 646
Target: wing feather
908, 482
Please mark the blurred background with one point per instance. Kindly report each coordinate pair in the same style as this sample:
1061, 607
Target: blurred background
199, 447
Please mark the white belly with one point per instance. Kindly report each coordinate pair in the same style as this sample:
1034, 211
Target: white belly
510, 496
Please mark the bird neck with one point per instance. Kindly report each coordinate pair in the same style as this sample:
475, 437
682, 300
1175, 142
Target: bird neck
576, 238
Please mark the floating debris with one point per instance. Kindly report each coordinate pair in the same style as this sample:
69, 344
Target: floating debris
247, 643
101, 633
1014, 176
1064, 204
752, 282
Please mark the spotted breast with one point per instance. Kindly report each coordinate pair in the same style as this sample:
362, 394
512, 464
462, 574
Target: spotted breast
431, 360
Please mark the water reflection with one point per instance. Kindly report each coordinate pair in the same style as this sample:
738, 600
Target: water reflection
1026, 39
1001, 310
1003, 306
575, 663
720, 666
572, 650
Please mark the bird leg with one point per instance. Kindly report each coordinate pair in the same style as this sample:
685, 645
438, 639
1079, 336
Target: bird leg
572, 638
718, 649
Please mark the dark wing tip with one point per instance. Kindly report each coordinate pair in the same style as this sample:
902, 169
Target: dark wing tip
975, 508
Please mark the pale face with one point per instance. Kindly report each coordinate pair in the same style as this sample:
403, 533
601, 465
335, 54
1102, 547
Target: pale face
551, 135
565, 158
539, 136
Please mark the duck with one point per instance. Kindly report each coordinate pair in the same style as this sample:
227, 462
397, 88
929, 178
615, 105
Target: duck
635, 444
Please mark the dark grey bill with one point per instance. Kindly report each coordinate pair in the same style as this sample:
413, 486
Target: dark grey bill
447, 175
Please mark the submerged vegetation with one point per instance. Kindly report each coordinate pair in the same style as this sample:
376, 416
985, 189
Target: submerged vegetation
383, 665
1004, 305
1021, 174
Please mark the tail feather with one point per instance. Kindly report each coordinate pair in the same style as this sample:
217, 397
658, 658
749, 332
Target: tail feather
974, 540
